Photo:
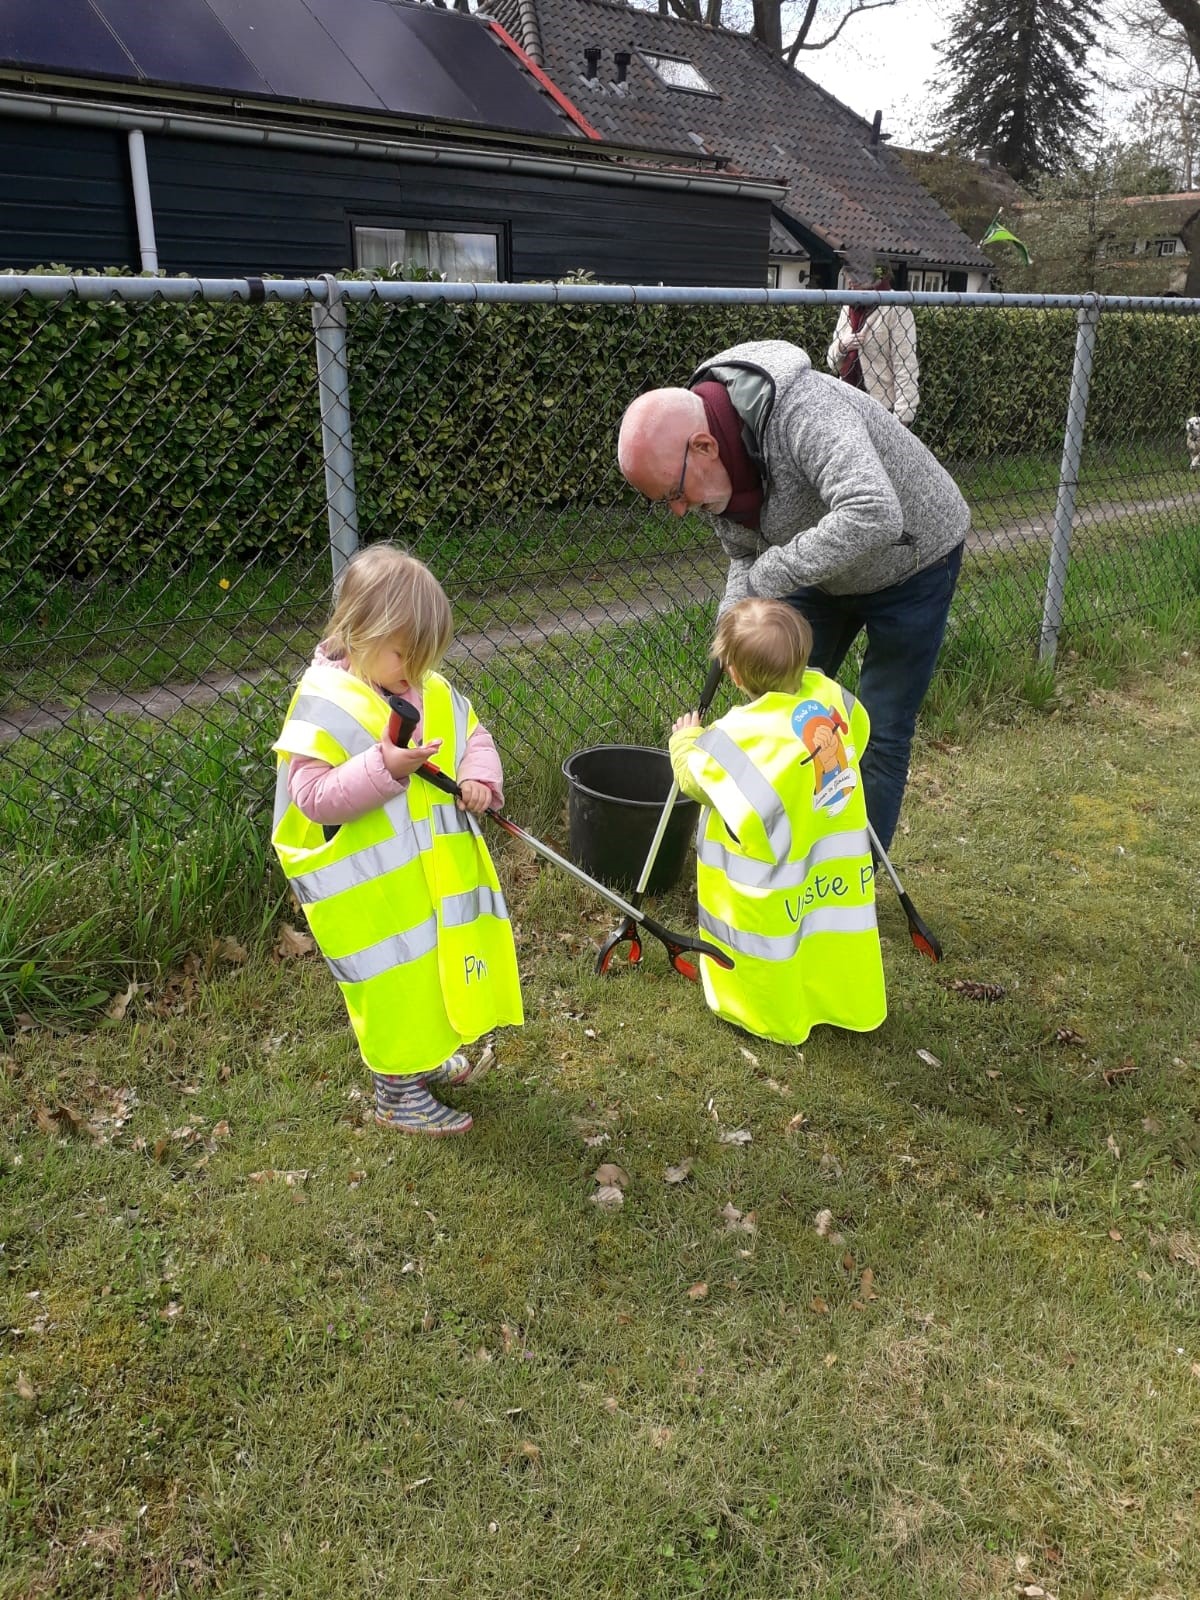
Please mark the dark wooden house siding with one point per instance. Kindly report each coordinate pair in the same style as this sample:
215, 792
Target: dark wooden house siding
65, 197
228, 209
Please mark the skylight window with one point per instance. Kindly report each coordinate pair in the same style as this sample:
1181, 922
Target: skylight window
677, 73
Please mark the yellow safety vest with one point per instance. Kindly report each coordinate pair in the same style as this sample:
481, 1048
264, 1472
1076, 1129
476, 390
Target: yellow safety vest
785, 880
404, 902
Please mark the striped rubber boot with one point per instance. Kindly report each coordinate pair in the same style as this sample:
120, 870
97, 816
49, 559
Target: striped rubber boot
454, 1070
406, 1105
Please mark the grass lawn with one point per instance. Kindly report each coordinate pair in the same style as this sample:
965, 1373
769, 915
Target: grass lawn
934, 1331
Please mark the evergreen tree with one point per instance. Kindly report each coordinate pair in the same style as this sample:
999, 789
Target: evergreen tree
1018, 81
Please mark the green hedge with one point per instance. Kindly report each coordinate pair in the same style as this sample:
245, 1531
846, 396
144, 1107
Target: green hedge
170, 435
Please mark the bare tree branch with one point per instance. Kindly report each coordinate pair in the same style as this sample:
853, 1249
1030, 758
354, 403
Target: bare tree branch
799, 43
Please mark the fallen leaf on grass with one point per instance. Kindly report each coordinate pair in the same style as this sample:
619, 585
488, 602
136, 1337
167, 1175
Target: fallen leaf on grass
429, 1321
291, 943
866, 1287
929, 1058
820, 1305
530, 1450
355, 1178
608, 1197
660, 1437
610, 1404
484, 1065
594, 1140
1115, 1235
121, 1002
292, 1178
1068, 1036
749, 1055
1111, 1144
797, 1122
829, 1167
735, 1136
992, 1073
417, 1483
823, 1222
221, 1131
609, 1173
678, 1174
1115, 1075
698, 1291
830, 1359
24, 1388
736, 1221
230, 949
1152, 1126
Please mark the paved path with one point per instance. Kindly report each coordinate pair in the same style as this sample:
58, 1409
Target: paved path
665, 589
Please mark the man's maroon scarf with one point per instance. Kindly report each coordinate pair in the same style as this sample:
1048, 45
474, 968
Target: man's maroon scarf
745, 503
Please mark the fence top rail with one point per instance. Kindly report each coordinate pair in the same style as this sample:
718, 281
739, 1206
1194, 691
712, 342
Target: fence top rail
248, 290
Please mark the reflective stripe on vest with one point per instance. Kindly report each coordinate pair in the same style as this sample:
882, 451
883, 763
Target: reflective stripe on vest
334, 719
754, 787
780, 875
460, 909
373, 861
782, 947
397, 950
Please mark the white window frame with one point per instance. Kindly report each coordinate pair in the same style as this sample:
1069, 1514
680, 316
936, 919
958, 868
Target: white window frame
1167, 247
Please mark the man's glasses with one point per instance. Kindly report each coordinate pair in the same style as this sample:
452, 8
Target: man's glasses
676, 493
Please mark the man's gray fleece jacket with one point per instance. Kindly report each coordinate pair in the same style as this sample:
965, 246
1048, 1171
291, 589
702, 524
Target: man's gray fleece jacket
851, 500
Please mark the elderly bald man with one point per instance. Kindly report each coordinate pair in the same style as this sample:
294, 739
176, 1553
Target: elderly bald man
819, 497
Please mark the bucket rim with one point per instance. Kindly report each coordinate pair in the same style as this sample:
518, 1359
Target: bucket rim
615, 799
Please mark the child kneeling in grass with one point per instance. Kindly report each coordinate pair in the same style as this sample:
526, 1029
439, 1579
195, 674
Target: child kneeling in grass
785, 879
395, 881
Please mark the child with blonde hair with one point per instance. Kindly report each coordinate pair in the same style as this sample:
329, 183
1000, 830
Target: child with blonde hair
393, 875
785, 879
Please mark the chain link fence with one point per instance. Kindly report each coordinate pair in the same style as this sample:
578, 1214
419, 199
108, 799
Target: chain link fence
184, 466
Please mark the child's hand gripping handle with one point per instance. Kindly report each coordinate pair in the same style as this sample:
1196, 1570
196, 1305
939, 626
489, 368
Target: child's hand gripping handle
404, 719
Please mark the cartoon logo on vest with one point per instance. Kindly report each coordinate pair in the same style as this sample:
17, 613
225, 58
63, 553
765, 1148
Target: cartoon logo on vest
820, 728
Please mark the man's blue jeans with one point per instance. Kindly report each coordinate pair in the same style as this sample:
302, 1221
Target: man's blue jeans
904, 624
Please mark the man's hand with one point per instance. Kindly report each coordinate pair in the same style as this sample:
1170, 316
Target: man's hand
403, 760
689, 719
476, 797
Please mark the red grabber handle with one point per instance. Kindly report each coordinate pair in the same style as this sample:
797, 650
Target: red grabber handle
403, 720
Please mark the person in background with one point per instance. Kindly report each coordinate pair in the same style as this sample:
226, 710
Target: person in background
394, 879
784, 876
876, 349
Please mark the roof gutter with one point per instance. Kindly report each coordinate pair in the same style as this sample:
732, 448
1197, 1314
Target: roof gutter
95, 114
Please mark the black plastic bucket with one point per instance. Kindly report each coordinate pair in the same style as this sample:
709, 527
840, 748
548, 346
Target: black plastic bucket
616, 796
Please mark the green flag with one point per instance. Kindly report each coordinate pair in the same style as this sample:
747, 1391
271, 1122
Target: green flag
996, 232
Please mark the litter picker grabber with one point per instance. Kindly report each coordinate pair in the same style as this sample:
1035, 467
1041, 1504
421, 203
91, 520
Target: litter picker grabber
922, 939
627, 933
404, 719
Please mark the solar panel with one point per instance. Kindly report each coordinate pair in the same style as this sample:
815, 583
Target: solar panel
413, 60
378, 40
294, 53
181, 41
62, 36
502, 95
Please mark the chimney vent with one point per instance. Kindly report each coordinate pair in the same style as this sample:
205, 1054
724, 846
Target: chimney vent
876, 125
622, 59
593, 63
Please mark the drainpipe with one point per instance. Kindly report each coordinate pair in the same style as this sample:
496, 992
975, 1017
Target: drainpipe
141, 200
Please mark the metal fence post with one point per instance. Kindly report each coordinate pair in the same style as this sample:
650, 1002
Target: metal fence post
333, 378
1086, 322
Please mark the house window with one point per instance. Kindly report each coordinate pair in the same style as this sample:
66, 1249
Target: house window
773, 275
459, 257
677, 73
926, 282
1166, 247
